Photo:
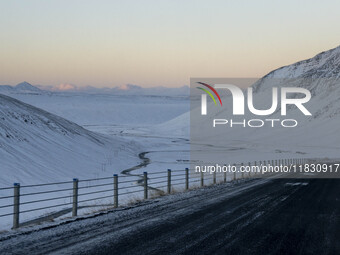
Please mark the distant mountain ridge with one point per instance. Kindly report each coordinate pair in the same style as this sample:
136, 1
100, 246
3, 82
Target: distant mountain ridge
23, 87
128, 89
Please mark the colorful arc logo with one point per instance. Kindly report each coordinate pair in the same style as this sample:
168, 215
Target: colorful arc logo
209, 93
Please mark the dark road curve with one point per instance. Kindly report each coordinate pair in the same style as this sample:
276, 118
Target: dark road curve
277, 218
257, 217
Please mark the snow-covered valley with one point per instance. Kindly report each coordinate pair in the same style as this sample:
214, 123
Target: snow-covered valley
56, 136
39, 147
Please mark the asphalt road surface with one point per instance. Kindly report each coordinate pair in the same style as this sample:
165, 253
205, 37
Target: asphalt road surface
279, 216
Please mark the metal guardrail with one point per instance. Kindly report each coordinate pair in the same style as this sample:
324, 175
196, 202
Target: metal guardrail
164, 181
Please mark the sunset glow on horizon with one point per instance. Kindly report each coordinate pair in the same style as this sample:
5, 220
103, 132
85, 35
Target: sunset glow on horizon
158, 43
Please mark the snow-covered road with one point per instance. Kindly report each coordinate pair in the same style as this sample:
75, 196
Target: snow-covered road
252, 217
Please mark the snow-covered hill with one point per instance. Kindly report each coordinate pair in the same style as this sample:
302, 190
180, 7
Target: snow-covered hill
23, 87
315, 136
26, 87
37, 146
320, 75
324, 65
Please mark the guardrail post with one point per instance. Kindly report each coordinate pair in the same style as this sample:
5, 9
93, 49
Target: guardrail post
214, 177
225, 177
242, 171
186, 178
249, 174
115, 190
234, 165
16, 209
75, 198
202, 179
255, 167
145, 185
169, 181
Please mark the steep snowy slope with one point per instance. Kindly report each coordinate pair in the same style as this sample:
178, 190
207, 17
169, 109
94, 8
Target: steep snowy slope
315, 136
318, 74
324, 65
36, 146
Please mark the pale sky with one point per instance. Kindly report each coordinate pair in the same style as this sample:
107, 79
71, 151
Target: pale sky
158, 42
